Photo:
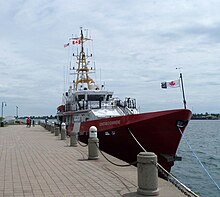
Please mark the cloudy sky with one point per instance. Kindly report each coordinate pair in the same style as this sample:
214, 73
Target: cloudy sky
137, 45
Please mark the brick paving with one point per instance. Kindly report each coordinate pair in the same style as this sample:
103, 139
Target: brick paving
35, 163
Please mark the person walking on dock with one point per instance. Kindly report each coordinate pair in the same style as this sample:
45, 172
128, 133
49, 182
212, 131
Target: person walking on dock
28, 121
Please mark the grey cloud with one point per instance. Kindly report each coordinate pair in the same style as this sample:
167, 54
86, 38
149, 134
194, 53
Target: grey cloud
210, 32
141, 41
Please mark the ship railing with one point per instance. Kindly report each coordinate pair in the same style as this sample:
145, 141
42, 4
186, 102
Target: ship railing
124, 111
129, 103
121, 111
99, 105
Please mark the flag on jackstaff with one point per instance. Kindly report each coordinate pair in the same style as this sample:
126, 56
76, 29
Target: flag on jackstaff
171, 84
66, 45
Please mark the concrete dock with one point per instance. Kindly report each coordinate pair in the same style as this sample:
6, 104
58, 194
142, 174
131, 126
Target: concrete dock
34, 162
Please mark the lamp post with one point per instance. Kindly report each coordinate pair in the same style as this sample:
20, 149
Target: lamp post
3, 104
16, 112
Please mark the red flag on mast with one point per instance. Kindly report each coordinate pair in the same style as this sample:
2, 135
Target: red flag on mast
76, 42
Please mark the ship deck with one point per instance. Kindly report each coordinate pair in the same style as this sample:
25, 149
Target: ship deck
34, 162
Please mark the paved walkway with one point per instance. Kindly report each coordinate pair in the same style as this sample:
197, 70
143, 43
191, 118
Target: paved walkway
33, 162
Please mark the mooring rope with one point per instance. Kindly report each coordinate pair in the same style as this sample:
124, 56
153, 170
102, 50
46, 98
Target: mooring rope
163, 169
79, 142
207, 172
137, 140
119, 165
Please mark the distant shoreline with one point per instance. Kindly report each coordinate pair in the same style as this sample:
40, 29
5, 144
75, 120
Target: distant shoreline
203, 119
205, 116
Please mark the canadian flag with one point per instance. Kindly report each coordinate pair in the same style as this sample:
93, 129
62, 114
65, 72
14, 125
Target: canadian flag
171, 84
76, 42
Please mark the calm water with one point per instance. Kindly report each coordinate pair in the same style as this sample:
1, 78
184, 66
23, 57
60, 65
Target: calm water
204, 138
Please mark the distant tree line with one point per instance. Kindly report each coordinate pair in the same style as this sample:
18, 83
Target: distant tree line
39, 117
206, 116
200, 116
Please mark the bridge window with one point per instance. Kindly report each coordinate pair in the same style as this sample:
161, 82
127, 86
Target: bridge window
95, 97
108, 97
81, 97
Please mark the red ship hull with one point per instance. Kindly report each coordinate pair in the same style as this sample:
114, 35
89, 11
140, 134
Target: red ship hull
157, 132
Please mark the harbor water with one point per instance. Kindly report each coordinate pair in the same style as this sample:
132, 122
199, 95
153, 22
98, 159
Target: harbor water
202, 137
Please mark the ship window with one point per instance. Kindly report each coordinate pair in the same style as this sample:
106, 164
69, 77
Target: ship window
95, 97
108, 97
81, 97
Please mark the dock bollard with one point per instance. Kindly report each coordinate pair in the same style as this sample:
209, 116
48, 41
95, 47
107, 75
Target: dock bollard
73, 139
57, 131
52, 127
93, 143
48, 127
63, 131
147, 174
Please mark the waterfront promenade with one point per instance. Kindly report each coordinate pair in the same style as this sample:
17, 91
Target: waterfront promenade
34, 162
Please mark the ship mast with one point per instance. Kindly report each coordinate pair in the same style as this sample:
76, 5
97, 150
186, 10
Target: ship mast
82, 71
